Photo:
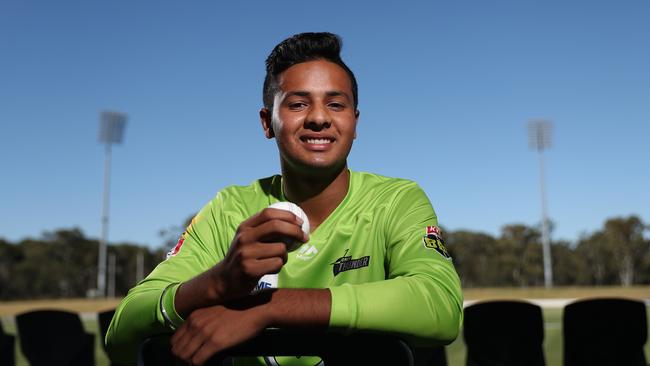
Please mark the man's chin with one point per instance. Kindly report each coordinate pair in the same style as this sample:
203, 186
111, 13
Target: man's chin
318, 167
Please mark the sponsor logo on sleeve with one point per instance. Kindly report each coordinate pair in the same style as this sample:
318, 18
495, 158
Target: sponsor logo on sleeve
346, 263
177, 247
433, 240
181, 240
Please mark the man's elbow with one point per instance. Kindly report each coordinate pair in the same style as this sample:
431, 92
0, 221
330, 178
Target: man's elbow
120, 350
442, 321
446, 329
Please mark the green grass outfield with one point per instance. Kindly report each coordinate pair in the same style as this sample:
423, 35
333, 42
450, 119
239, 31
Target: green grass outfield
455, 351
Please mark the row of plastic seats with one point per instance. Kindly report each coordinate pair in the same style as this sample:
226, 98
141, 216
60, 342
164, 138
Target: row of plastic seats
596, 332
7, 346
608, 332
52, 337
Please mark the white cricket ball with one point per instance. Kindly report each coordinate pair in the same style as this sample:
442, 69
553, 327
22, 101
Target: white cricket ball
296, 210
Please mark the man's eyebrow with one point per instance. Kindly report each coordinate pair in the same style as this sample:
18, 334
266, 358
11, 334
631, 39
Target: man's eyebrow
331, 93
337, 93
300, 93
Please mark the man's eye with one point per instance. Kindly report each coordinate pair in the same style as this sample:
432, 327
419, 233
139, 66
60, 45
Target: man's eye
297, 105
336, 106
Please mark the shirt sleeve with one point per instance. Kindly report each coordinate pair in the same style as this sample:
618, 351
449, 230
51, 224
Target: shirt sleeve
140, 315
421, 297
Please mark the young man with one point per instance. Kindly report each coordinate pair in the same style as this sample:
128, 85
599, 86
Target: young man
374, 258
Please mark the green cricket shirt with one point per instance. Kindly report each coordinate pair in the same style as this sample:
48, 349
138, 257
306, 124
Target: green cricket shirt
379, 253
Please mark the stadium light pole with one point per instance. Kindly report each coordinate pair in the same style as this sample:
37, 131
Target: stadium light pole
111, 131
539, 138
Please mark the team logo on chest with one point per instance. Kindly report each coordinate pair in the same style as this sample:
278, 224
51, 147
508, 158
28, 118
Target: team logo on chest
307, 252
346, 263
433, 240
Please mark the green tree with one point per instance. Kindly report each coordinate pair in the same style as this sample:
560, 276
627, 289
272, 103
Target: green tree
567, 265
475, 257
63, 264
523, 242
625, 236
597, 258
10, 254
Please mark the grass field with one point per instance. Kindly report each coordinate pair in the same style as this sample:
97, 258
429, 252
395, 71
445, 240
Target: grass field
455, 351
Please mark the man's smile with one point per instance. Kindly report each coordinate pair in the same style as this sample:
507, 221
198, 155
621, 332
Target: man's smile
317, 142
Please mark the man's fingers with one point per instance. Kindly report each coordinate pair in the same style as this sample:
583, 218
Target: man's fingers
266, 250
269, 265
207, 350
271, 214
255, 263
273, 231
194, 341
212, 329
185, 345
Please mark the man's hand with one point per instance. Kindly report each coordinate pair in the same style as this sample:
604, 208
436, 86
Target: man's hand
257, 249
213, 329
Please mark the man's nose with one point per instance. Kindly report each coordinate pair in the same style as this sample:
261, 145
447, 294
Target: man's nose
318, 118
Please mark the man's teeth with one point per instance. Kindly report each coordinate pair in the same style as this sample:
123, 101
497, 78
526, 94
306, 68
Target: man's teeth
318, 141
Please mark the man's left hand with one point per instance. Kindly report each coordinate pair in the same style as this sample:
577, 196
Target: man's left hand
213, 329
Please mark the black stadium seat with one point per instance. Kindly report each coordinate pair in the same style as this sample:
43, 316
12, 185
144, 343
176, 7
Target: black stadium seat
7, 342
104, 318
504, 333
55, 337
430, 356
335, 349
605, 332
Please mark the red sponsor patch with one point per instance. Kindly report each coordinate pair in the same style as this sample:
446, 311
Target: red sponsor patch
177, 247
433, 230
433, 240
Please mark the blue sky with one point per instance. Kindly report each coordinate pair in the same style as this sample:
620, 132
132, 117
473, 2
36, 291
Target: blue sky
446, 90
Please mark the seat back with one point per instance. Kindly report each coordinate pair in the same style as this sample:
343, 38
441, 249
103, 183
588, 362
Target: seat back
504, 333
430, 356
7, 353
55, 337
334, 348
104, 319
608, 331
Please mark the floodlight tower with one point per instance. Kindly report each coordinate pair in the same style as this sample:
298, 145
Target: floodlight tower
111, 130
539, 138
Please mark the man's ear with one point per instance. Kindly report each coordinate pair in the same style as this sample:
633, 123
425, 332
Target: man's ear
356, 120
265, 119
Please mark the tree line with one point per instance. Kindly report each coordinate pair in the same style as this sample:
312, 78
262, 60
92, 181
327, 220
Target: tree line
63, 263
616, 254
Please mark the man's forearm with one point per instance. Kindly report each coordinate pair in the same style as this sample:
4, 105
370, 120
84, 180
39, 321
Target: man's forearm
281, 307
297, 307
212, 329
199, 292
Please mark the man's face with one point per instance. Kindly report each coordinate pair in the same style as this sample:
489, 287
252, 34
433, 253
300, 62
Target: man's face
313, 118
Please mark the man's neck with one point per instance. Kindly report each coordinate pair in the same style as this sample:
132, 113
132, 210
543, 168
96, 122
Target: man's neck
317, 196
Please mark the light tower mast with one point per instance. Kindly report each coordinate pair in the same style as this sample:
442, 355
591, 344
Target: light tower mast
539, 138
111, 131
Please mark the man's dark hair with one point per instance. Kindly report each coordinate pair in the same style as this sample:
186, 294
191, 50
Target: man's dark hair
301, 48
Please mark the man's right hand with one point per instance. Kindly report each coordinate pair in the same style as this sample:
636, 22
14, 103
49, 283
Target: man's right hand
257, 249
